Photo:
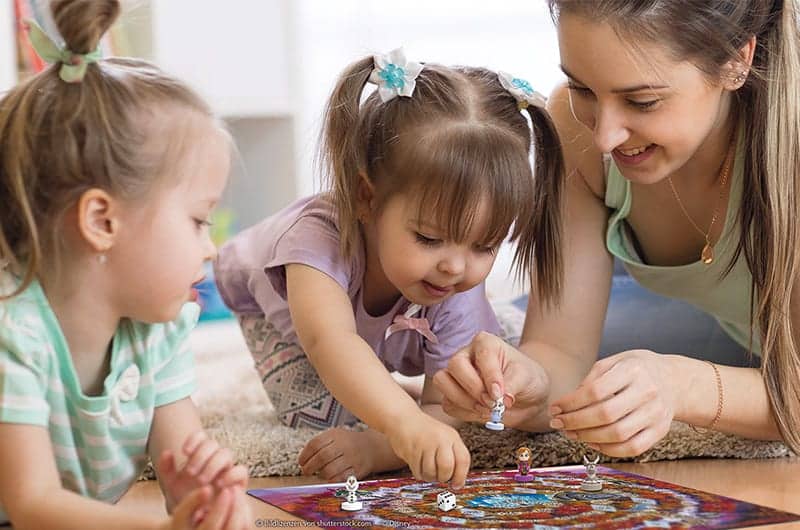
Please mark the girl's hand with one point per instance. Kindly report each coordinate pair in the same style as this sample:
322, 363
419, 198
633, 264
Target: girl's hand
484, 371
206, 464
200, 511
624, 405
433, 450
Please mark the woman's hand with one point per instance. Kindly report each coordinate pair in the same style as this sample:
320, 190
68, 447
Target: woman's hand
624, 405
484, 371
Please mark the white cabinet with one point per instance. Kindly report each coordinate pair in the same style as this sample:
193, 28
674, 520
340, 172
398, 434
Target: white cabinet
8, 46
236, 55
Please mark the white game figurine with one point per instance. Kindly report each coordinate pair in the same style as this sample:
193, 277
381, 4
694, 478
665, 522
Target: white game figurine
591, 482
496, 421
446, 501
352, 503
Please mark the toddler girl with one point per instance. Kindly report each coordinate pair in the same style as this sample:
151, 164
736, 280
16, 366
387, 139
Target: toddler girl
109, 170
384, 272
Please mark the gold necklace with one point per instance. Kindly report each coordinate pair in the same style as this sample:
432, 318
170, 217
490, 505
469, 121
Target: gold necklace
707, 255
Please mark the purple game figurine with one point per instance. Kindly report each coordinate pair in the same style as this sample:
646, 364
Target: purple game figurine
523, 465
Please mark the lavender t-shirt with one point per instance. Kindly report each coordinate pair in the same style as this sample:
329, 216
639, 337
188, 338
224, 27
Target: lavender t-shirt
251, 278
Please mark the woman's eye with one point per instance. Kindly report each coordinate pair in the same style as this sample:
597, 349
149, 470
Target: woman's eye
580, 90
645, 105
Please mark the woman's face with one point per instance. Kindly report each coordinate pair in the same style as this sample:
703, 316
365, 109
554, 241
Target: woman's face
652, 113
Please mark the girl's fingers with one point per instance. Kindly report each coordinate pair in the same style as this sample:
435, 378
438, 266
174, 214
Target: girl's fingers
313, 446
342, 476
166, 463
464, 373
200, 456
193, 442
186, 508
335, 468
219, 511
236, 476
453, 391
219, 463
476, 413
321, 458
445, 464
461, 468
428, 465
240, 516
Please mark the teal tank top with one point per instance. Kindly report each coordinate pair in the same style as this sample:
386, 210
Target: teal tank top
727, 299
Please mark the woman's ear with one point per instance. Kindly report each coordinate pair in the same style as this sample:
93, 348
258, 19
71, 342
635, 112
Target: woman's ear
737, 70
366, 197
98, 221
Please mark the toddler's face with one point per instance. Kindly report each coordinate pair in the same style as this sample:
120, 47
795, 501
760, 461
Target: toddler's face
417, 258
166, 241
651, 112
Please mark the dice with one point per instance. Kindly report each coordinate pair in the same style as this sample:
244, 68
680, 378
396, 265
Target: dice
446, 501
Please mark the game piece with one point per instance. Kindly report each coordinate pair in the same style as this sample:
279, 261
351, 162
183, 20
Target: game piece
496, 421
523, 465
446, 501
352, 503
493, 499
591, 482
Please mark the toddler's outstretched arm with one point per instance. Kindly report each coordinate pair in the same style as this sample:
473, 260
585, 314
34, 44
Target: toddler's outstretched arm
323, 318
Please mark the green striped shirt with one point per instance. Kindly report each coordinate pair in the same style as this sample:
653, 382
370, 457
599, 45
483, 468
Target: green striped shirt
99, 442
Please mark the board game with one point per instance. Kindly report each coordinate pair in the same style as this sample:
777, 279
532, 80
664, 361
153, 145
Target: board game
553, 499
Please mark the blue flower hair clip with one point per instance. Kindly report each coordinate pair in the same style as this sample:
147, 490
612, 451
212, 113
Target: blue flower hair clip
394, 75
522, 91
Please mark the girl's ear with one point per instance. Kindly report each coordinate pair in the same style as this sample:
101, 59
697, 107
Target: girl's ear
738, 69
98, 223
365, 196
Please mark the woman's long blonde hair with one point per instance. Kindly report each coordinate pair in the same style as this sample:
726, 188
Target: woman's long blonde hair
710, 35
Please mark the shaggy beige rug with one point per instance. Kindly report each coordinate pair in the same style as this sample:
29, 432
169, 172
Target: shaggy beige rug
237, 412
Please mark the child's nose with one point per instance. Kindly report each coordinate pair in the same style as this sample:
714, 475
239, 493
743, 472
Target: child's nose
210, 249
453, 264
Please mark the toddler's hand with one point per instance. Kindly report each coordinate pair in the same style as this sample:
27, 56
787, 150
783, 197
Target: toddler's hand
336, 453
433, 450
198, 510
206, 464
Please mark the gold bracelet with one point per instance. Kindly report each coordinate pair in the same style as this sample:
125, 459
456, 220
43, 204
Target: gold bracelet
720, 398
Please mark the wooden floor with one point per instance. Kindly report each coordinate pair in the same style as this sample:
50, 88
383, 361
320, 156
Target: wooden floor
772, 482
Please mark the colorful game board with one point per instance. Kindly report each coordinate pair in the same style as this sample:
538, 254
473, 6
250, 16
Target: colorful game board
553, 500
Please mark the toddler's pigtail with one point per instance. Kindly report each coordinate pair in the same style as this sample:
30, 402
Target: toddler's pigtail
20, 245
342, 151
540, 239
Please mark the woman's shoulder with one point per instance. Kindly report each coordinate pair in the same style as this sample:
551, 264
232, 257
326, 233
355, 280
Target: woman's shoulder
581, 157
